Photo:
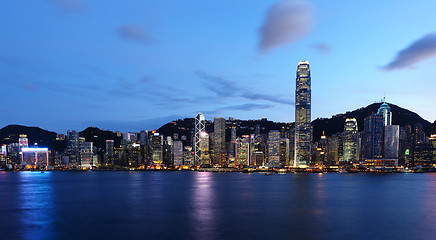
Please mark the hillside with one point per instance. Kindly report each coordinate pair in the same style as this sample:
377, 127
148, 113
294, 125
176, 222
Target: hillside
400, 116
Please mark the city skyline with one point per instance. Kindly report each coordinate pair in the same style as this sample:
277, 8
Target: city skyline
138, 65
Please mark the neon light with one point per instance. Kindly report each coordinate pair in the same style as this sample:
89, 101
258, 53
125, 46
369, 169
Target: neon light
26, 149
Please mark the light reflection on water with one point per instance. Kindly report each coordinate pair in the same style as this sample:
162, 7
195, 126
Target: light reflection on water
35, 205
203, 206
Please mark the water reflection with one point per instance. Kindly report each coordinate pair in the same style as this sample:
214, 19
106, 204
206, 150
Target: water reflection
35, 205
203, 211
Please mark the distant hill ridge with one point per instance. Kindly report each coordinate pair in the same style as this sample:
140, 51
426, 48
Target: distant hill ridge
330, 126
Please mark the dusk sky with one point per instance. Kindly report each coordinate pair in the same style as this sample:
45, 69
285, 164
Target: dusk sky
133, 65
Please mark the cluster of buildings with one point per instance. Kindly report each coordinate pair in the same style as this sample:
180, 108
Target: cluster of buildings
379, 143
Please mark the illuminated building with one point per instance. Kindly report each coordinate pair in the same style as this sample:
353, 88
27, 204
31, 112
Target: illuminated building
232, 143
34, 157
204, 146
23, 141
72, 150
199, 129
284, 151
242, 148
385, 111
86, 155
372, 142
110, 152
3, 155
392, 142
332, 149
156, 148
178, 153
302, 115
257, 158
350, 141
274, 148
219, 141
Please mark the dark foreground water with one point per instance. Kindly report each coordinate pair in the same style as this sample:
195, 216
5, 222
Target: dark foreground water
195, 205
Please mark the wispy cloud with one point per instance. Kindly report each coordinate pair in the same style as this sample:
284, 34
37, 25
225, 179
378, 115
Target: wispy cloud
420, 50
285, 22
322, 48
225, 88
134, 33
242, 107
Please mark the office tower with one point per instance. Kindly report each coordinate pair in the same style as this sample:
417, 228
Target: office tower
72, 149
231, 148
332, 149
156, 148
178, 153
23, 141
242, 157
373, 136
199, 129
219, 140
392, 142
302, 115
34, 157
168, 152
274, 148
143, 137
385, 111
204, 146
350, 141
284, 151
110, 152
86, 155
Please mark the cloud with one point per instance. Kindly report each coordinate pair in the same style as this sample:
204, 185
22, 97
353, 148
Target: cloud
134, 33
322, 48
225, 88
418, 51
70, 5
146, 79
287, 21
242, 107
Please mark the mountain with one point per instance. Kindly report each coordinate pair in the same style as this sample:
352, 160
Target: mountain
400, 116
99, 137
43, 138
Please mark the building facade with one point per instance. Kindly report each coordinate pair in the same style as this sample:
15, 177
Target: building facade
303, 136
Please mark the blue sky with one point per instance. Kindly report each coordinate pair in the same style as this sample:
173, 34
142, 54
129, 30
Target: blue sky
132, 65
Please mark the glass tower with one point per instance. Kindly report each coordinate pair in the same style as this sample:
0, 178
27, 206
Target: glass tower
199, 130
350, 140
302, 115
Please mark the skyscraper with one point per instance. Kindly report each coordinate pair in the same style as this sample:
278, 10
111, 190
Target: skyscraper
302, 115
199, 128
350, 140
274, 148
392, 142
219, 140
385, 111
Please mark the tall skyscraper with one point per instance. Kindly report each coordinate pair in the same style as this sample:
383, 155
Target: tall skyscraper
350, 141
199, 129
373, 136
385, 111
178, 153
219, 140
274, 148
303, 136
392, 142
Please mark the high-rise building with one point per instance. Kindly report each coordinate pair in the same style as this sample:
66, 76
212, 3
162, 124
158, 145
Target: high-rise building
178, 153
157, 148
350, 141
274, 148
72, 150
219, 140
392, 142
302, 115
284, 151
86, 155
242, 151
204, 146
373, 136
385, 111
110, 152
199, 129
